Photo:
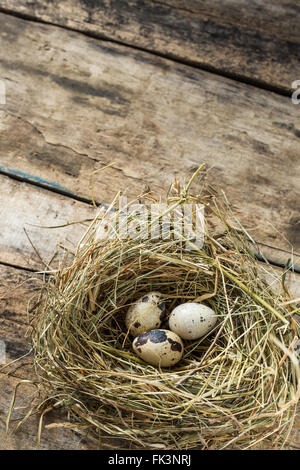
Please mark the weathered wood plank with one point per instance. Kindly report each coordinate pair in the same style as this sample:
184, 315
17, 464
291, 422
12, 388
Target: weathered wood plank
16, 289
256, 41
26, 437
23, 210
75, 104
273, 276
280, 258
27, 212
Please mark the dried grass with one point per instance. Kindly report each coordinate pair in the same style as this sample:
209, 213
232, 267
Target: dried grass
238, 387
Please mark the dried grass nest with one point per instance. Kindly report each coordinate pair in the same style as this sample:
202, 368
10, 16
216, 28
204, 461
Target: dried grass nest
237, 387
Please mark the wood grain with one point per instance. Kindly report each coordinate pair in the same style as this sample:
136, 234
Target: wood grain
254, 41
16, 290
37, 225
76, 103
24, 211
25, 438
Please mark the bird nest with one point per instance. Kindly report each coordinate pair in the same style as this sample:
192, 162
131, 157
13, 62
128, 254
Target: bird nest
235, 387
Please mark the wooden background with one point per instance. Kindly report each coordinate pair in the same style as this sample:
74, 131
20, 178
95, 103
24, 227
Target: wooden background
158, 87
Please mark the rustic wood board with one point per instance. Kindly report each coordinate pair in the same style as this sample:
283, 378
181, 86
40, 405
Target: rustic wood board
28, 212
23, 206
16, 289
26, 437
254, 41
75, 103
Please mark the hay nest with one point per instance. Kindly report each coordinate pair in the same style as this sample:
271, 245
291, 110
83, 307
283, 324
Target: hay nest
237, 387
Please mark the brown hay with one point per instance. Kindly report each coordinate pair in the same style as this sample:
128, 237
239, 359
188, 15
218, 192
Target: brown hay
238, 387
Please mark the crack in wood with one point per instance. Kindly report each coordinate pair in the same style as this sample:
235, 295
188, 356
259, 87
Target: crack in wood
257, 83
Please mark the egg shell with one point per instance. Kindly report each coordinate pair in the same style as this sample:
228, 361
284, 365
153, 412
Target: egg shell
192, 320
159, 347
146, 314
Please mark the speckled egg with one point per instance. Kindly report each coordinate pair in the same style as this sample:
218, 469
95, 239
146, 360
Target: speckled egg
159, 347
192, 320
146, 314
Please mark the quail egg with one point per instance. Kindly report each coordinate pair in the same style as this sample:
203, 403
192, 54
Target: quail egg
159, 347
146, 314
192, 320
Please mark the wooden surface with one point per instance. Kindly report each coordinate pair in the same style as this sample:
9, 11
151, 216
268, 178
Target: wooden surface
75, 104
17, 288
201, 81
255, 41
23, 242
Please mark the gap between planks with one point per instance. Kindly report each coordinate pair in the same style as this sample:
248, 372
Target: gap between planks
100, 103
266, 251
260, 84
221, 38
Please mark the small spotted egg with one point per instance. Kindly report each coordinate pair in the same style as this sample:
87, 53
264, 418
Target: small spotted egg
159, 347
192, 320
146, 314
